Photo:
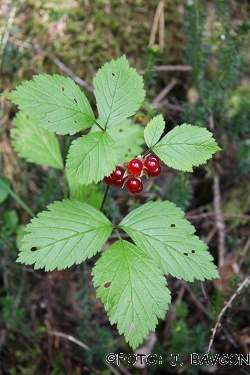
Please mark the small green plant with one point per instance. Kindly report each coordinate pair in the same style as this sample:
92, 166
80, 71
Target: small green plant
216, 51
129, 276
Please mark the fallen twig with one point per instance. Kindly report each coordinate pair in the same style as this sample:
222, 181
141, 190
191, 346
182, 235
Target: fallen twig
83, 345
227, 305
57, 62
164, 92
158, 20
204, 215
169, 68
219, 222
70, 338
194, 298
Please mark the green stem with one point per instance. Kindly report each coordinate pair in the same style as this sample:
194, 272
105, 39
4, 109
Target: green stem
104, 198
100, 127
147, 152
19, 200
118, 234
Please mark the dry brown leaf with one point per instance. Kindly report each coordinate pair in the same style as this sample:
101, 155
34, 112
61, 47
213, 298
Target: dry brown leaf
244, 340
229, 270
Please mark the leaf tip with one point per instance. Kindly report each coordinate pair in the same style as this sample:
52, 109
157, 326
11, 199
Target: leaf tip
7, 95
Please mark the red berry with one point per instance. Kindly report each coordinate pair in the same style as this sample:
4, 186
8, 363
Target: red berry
154, 157
155, 173
134, 185
119, 182
108, 180
137, 191
151, 164
135, 166
118, 173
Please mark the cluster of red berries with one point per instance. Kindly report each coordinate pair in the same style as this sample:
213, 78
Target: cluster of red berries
135, 169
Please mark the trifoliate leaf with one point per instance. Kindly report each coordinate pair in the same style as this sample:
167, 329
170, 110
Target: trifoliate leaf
70, 232
118, 90
159, 230
91, 157
154, 130
133, 290
90, 194
56, 103
34, 144
186, 146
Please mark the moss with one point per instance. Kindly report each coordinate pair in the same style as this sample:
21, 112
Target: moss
95, 35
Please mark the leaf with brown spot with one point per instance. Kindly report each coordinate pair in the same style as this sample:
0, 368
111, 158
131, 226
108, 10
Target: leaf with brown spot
107, 285
137, 296
118, 90
67, 233
57, 99
161, 232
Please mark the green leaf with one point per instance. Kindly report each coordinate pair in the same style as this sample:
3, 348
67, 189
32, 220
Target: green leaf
90, 194
91, 157
186, 146
56, 103
154, 130
159, 230
70, 232
133, 290
20, 232
3, 191
11, 219
128, 138
118, 90
34, 144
